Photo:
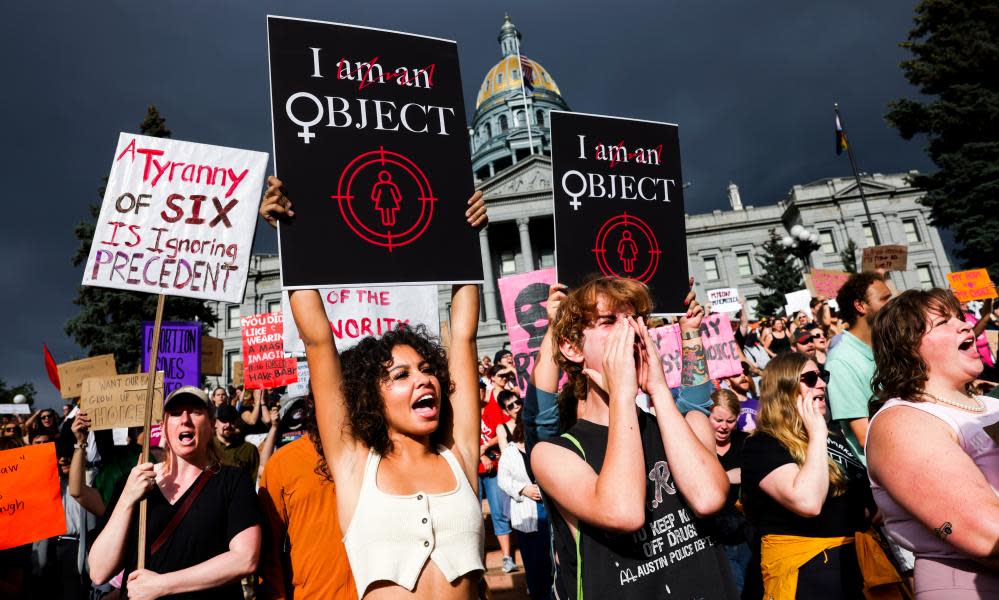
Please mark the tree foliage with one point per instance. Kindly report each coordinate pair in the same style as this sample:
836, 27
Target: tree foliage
7, 394
780, 273
955, 59
110, 321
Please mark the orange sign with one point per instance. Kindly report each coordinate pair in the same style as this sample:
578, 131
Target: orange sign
972, 285
30, 500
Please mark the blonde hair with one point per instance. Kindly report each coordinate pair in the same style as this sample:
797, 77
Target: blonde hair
726, 399
779, 390
214, 451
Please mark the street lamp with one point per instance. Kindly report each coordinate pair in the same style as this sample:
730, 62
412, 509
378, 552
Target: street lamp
801, 243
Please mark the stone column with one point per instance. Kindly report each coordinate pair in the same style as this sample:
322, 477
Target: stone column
489, 285
525, 242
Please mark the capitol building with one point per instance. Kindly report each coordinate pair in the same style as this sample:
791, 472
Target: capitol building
510, 140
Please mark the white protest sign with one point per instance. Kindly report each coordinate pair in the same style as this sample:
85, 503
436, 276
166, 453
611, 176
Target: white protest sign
724, 300
15, 409
798, 301
177, 219
356, 313
300, 387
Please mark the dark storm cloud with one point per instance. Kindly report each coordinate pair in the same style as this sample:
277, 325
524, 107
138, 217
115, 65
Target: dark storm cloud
751, 87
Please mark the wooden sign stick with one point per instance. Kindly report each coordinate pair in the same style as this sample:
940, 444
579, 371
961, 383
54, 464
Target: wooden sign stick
147, 422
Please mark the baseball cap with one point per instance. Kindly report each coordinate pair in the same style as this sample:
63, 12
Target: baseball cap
189, 392
500, 354
803, 338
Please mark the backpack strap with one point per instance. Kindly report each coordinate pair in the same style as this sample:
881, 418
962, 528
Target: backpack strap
199, 485
579, 558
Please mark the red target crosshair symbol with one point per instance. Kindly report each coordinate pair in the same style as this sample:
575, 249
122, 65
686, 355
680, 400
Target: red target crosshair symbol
629, 225
384, 161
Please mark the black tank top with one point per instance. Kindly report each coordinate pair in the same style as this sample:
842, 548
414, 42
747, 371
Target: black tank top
780, 345
669, 557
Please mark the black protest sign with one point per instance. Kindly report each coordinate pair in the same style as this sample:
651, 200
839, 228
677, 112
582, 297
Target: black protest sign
370, 140
619, 203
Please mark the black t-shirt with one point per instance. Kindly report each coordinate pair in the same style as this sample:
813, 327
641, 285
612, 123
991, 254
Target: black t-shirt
226, 506
669, 557
840, 515
733, 460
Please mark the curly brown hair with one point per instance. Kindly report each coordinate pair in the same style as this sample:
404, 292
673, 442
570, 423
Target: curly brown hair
853, 290
365, 368
579, 311
899, 326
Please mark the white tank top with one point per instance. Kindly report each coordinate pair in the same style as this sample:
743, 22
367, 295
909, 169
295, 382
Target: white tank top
391, 537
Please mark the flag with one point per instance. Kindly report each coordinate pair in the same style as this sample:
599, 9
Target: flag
528, 70
840, 137
50, 368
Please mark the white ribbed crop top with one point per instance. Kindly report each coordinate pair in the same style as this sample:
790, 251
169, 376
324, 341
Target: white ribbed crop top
391, 537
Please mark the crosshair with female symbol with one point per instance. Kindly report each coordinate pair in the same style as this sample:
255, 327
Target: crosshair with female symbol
373, 183
621, 237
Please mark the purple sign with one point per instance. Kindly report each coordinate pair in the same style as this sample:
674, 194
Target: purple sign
179, 356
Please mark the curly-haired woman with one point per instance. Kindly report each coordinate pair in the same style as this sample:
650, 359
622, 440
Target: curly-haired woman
931, 447
804, 491
399, 423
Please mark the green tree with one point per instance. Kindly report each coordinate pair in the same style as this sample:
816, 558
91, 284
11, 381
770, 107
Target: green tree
955, 47
780, 273
849, 256
7, 394
110, 321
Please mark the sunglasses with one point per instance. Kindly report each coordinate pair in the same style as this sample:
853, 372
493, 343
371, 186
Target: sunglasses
510, 405
811, 378
818, 336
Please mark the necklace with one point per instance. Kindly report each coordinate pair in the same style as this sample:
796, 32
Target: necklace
979, 406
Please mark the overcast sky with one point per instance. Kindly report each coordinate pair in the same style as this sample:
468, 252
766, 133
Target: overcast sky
751, 86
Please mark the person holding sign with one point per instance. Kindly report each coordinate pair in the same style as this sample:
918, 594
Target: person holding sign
931, 447
204, 524
399, 424
624, 486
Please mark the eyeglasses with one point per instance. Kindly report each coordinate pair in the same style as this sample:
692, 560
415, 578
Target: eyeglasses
9, 430
811, 378
511, 405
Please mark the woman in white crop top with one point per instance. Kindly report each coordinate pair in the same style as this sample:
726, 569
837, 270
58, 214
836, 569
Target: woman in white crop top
399, 423
932, 451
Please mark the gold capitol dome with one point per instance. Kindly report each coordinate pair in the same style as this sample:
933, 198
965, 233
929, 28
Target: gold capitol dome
505, 75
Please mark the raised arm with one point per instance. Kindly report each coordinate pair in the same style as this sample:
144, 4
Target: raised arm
463, 361
89, 498
803, 489
546, 372
252, 417
614, 499
698, 475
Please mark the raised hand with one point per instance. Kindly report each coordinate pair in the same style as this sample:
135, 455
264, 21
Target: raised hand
275, 205
140, 480
691, 321
476, 213
556, 294
81, 426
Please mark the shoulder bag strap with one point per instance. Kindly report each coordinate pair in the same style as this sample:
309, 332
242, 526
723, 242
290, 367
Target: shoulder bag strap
181, 512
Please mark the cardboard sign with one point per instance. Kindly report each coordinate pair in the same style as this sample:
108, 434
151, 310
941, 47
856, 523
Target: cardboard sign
72, 374
825, 282
177, 219
356, 313
619, 203
370, 133
30, 498
524, 299
725, 300
237, 373
179, 355
119, 401
15, 409
972, 285
889, 258
211, 355
264, 363
720, 349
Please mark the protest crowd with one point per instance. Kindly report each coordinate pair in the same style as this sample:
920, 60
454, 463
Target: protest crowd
652, 446
852, 454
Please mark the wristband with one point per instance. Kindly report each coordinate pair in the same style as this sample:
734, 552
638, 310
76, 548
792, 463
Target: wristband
79, 446
691, 335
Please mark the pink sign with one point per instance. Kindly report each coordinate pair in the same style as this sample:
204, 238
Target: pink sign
156, 435
720, 348
524, 300
826, 282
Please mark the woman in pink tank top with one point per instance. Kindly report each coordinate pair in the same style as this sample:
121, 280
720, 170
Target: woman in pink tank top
932, 450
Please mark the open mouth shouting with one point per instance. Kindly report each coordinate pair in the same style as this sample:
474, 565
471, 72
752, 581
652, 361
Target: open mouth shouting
968, 348
426, 406
186, 438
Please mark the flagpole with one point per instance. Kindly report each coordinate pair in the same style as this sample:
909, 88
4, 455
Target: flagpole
856, 176
523, 93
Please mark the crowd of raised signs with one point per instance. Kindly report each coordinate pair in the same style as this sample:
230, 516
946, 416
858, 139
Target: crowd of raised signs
854, 454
